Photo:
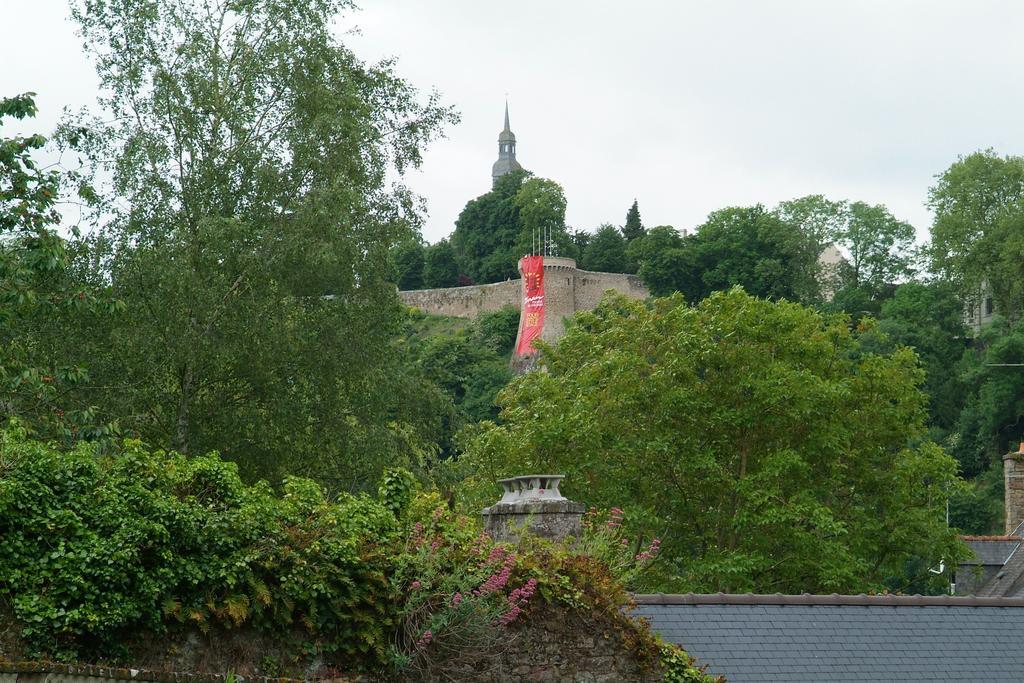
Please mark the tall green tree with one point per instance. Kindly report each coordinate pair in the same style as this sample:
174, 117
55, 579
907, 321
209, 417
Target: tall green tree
747, 246
37, 292
606, 252
662, 262
928, 317
542, 205
633, 227
880, 247
757, 439
992, 420
515, 218
247, 228
820, 222
969, 200
978, 204
439, 266
407, 262
488, 230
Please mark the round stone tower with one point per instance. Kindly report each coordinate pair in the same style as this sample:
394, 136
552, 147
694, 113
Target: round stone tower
559, 296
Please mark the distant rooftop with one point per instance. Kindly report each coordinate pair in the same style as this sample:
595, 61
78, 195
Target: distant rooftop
844, 637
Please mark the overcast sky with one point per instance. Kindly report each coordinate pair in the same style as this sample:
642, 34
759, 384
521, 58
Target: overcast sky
686, 106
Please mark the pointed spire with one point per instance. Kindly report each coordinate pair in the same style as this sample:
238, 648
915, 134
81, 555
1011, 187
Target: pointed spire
506, 150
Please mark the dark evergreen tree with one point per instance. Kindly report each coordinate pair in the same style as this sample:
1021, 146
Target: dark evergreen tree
634, 227
580, 240
439, 266
407, 261
606, 252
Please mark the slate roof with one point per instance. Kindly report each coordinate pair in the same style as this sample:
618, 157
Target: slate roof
992, 550
844, 637
1009, 581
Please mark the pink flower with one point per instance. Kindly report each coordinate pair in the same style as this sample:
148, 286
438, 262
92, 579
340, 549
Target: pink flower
456, 599
625, 541
495, 582
416, 585
424, 639
497, 555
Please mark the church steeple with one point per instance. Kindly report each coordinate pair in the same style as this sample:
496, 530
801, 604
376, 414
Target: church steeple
506, 162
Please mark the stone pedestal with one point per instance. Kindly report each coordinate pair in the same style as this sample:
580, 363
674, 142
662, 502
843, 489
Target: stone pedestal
533, 504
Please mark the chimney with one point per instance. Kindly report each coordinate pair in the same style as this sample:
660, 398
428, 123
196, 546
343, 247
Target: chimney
1013, 488
533, 504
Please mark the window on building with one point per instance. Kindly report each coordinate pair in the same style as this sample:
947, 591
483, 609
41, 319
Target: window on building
988, 306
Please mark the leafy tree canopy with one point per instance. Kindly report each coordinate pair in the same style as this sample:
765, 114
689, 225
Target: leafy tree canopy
488, 230
439, 266
38, 292
928, 317
515, 218
992, 419
247, 225
661, 261
755, 437
750, 247
878, 248
978, 205
407, 262
541, 205
606, 251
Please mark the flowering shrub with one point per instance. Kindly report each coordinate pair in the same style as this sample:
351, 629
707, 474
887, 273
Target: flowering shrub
461, 590
630, 558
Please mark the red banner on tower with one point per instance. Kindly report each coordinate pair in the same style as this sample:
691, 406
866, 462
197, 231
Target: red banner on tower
531, 320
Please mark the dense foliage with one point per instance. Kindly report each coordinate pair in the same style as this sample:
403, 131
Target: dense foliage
605, 252
977, 235
749, 246
515, 218
94, 548
467, 365
245, 219
99, 553
37, 291
758, 439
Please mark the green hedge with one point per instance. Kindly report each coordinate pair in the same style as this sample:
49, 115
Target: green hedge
94, 549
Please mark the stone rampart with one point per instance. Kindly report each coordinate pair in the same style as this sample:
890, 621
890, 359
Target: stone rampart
567, 290
590, 287
464, 302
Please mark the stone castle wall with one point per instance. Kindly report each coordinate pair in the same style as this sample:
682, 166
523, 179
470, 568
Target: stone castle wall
567, 290
464, 302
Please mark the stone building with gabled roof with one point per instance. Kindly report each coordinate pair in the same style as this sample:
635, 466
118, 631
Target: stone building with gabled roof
997, 566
